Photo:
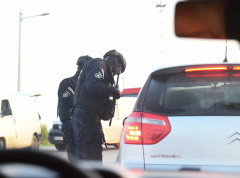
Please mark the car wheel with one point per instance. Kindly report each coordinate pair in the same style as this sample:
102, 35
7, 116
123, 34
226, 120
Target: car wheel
2, 145
35, 145
60, 147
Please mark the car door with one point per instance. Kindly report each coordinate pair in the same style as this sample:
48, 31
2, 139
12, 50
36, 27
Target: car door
123, 109
111, 133
25, 116
7, 125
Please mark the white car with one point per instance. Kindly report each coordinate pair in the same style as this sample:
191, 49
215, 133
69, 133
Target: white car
19, 122
185, 118
123, 108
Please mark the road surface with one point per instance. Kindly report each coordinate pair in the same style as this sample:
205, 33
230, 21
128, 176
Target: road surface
109, 154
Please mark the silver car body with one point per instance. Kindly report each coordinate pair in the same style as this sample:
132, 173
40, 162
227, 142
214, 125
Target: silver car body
204, 142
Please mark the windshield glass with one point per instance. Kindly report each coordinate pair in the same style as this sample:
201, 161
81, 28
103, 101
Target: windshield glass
51, 102
182, 94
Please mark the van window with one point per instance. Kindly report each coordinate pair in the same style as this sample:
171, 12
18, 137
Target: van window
179, 94
5, 108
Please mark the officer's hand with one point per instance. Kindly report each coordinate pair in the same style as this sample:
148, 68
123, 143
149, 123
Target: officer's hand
117, 94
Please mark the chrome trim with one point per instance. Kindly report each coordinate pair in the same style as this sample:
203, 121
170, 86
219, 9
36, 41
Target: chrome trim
133, 119
236, 132
153, 121
235, 136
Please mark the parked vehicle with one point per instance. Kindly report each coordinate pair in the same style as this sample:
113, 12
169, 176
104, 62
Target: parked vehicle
55, 135
185, 117
123, 108
19, 123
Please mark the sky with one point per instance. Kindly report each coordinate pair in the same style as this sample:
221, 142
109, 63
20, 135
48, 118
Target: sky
51, 45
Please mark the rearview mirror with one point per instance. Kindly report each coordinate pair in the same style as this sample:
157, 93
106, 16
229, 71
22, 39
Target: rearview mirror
215, 19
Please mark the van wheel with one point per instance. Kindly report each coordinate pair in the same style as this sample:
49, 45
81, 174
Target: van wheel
60, 147
2, 145
34, 146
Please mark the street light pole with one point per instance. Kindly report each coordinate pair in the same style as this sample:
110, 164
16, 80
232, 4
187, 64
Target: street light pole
19, 53
19, 46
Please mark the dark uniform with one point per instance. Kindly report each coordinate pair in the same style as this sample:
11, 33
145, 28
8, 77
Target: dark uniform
65, 107
94, 87
65, 104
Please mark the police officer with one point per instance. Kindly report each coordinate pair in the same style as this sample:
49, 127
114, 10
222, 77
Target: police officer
94, 87
65, 105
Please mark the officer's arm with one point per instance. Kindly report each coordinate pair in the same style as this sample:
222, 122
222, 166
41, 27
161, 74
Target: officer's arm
66, 93
94, 80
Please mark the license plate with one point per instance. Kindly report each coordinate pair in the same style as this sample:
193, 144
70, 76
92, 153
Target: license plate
58, 138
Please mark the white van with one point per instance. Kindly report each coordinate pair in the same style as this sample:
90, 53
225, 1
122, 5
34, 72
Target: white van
19, 122
123, 108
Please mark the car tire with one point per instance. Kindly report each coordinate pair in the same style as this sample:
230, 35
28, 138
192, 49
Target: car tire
2, 145
35, 145
60, 147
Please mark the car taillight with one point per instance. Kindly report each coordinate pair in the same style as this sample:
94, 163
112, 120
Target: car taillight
212, 68
132, 129
222, 68
236, 68
208, 75
236, 75
145, 128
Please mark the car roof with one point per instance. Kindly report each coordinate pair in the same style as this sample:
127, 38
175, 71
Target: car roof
30, 94
128, 91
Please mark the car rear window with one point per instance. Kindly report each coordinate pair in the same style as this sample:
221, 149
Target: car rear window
195, 95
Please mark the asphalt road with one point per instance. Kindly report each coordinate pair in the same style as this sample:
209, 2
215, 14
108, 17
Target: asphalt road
109, 154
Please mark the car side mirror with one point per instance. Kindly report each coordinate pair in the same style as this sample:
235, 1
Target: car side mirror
215, 19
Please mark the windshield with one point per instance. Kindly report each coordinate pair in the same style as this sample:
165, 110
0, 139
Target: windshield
44, 45
181, 94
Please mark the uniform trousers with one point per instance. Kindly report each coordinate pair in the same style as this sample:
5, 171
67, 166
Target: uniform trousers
69, 140
88, 137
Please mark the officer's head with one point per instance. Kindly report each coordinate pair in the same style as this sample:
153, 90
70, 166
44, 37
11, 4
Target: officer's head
81, 60
115, 61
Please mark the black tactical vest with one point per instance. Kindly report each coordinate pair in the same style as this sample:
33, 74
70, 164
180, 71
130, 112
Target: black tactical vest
86, 100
